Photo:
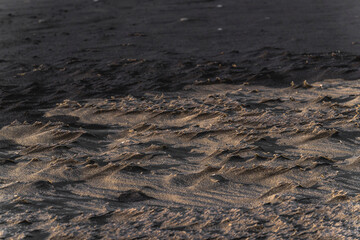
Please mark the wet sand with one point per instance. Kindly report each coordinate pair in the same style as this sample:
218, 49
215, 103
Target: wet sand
180, 119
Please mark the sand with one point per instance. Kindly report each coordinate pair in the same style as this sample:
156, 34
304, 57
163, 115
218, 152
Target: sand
115, 127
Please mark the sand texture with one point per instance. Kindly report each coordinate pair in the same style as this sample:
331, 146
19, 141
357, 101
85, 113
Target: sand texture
211, 161
179, 119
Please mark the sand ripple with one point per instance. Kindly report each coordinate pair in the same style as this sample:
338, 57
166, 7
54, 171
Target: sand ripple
217, 160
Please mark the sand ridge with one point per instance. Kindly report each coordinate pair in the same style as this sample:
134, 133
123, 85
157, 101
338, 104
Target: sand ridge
227, 149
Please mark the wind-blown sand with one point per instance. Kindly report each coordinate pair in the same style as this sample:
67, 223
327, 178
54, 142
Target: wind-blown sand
166, 145
212, 161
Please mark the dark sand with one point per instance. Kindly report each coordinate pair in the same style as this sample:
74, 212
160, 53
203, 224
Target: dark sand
52, 51
179, 119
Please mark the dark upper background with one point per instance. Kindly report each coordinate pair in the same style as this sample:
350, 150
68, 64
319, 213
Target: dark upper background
53, 50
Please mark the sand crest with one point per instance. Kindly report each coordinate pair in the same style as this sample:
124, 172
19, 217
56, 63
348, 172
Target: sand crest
212, 161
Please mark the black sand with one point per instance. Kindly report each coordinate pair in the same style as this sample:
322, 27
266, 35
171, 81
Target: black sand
55, 50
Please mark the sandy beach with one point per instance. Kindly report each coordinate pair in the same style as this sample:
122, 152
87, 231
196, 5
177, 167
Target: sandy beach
179, 119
